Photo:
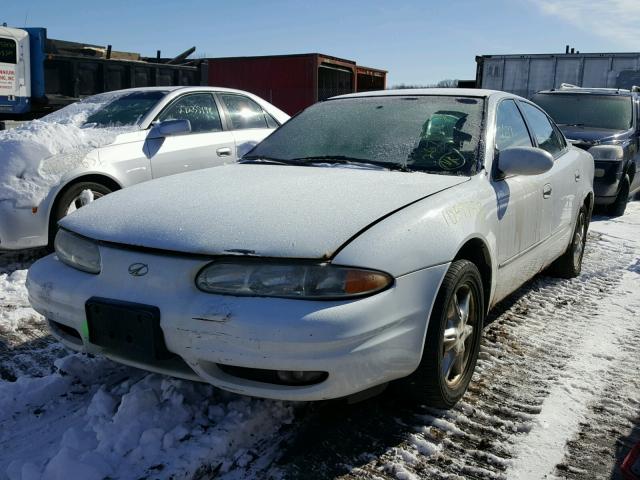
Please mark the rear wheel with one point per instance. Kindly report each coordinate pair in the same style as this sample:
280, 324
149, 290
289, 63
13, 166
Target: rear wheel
453, 338
74, 197
569, 264
617, 208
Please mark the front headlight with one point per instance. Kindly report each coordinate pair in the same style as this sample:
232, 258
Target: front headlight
77, 252
290, 280
610, 153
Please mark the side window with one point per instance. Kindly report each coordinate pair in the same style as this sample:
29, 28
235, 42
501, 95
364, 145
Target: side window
546, 136
199, 108
563, 142
8, 51
511, 131
271, 122
244, 112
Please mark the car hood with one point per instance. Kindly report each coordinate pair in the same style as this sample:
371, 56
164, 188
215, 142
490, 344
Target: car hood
593, 135
264, 210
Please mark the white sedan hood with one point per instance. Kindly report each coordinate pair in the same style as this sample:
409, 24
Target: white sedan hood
265, 210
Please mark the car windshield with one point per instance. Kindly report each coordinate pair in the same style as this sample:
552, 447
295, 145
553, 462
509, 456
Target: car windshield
125, 110
437, 134
588, 110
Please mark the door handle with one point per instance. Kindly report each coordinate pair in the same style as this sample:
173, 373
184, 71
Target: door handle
546, 191
577, 176
224, 152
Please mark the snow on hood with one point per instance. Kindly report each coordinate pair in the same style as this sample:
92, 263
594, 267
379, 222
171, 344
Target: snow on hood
36, 155
269, 210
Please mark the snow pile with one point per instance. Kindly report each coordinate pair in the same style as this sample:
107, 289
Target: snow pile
12, 292
143, 425
35, 155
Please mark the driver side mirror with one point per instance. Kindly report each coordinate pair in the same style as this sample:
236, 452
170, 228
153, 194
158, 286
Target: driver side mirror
524, 161
170, 128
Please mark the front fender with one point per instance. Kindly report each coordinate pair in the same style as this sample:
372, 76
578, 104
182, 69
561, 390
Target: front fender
427, 233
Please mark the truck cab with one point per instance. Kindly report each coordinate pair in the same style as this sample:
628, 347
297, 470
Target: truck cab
15, 75
39, 75
605, 122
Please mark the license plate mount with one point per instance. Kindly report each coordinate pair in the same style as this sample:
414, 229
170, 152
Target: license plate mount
126, 328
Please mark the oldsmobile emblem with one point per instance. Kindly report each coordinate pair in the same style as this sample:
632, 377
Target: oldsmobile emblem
138, 269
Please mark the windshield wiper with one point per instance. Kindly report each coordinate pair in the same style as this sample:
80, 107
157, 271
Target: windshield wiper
269, 160
345, 160
571, 124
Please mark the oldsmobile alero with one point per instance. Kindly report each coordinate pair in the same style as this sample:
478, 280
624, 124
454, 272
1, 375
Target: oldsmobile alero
362, 242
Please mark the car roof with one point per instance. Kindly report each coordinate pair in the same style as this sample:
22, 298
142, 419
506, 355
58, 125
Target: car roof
182, 89
450, 92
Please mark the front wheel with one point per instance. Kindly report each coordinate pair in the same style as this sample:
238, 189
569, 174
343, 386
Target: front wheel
453, 338
569, 264
74, 197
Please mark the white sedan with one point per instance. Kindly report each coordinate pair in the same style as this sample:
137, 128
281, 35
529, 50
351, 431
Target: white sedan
51, 167
363, 242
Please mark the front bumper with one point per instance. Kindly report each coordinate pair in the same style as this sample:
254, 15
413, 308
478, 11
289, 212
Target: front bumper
606, 181
22, 228
360, 343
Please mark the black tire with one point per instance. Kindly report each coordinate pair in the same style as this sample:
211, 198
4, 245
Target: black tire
569, 264
69, 195
430, 383
617, 208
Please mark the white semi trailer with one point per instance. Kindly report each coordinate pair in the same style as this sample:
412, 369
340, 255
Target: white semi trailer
525, 75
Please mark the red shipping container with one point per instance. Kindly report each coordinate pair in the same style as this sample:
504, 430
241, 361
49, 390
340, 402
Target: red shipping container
293, 82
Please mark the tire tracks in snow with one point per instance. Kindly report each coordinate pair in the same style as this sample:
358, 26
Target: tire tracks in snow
530, 353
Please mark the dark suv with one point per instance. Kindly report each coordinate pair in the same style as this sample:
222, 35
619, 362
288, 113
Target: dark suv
604, 121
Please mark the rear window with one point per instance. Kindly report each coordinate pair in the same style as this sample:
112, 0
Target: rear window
8, 51
612, 112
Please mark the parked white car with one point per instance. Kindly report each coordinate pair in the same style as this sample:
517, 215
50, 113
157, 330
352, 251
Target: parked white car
363, 242
51, 167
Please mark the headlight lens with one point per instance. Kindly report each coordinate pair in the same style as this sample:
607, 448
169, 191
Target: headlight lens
290, 280
77, 252
607, 152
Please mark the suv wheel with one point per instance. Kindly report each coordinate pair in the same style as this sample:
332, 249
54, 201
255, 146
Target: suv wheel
617, 208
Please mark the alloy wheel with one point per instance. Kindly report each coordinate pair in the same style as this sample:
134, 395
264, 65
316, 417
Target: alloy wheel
459, 333
578, 240
81, 200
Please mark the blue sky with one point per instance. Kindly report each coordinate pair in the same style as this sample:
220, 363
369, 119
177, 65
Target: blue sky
419, 42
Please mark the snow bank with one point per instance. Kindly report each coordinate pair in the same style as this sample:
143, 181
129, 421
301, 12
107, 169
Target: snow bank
16, 313
141, 426
35, 155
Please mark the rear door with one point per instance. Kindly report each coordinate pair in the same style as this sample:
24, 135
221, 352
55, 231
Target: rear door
208, 144
558, 191
249, 122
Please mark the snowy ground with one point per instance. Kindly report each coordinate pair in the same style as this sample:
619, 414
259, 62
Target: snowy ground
556, 395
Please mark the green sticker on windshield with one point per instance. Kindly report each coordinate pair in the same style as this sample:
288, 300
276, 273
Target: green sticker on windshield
450, 161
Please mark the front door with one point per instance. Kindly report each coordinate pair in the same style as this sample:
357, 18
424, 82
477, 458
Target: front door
519, 206
207, 145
